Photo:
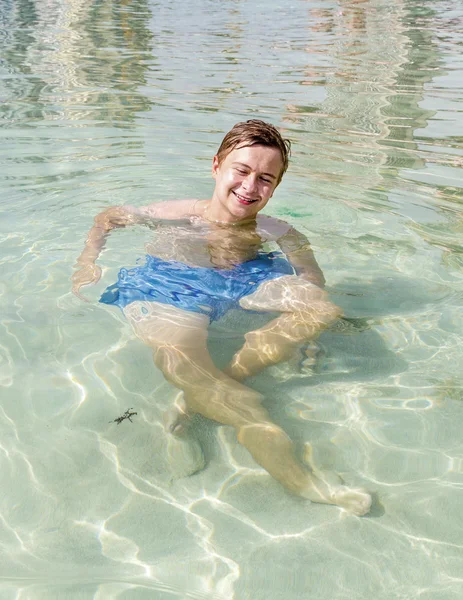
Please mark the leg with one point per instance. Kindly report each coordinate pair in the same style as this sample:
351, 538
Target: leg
179, 342
306, 311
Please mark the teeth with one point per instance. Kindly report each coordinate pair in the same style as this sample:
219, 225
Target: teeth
243, 198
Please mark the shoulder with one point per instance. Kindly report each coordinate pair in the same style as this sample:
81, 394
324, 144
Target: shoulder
274, 228
168, 209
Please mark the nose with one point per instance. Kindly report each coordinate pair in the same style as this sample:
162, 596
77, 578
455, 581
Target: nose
250, 183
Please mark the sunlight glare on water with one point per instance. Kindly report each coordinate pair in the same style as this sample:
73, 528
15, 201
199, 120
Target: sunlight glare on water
106, 103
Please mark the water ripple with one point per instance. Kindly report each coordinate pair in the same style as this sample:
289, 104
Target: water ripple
109, 103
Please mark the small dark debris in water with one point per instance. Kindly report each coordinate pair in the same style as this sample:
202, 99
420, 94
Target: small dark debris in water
126, 415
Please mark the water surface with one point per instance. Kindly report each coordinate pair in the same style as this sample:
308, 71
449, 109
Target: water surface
106, 103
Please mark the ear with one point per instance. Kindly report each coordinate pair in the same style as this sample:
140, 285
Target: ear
215, 166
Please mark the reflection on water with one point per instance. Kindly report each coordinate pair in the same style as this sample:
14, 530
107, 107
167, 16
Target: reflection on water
125, 102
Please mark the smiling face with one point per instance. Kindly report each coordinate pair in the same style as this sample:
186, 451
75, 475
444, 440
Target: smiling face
244, 182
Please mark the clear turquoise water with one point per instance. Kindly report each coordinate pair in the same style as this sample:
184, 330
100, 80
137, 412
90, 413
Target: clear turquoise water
111, 102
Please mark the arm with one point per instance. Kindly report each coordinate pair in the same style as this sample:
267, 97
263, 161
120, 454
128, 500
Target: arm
111, 218
300, 255
116, 217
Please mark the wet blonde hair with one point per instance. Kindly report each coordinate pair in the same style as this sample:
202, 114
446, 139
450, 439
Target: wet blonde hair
252, 133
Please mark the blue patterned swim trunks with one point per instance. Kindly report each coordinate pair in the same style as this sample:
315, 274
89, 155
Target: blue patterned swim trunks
208, 291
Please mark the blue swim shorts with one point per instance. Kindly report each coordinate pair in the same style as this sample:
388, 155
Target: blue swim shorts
208, 291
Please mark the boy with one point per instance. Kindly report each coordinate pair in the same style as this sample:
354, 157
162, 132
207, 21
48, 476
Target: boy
213, 260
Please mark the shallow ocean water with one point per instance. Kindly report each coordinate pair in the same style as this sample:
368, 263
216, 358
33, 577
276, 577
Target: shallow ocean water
109, 102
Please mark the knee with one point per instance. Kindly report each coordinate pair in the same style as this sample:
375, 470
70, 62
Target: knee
310, 321
320, 311
327, 312
315, 306
265, 430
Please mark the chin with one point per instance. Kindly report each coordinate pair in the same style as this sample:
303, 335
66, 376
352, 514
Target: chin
243, 212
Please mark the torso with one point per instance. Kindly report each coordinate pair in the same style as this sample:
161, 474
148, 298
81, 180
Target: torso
197, 242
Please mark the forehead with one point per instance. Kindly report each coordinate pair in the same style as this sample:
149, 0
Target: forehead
259, 158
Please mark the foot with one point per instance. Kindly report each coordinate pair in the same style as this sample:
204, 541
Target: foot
185, 455
184, 452
355, 501
327, 488
176, 419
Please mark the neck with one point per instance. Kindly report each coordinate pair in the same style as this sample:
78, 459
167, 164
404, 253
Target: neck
211, 216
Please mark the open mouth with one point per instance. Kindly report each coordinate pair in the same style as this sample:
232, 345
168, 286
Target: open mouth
244, 200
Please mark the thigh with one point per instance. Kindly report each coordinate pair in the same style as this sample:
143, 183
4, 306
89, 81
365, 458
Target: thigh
179, 342
289, 293
178, 339
160, 324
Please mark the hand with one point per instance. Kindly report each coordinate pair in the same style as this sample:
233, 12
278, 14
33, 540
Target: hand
87, 275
